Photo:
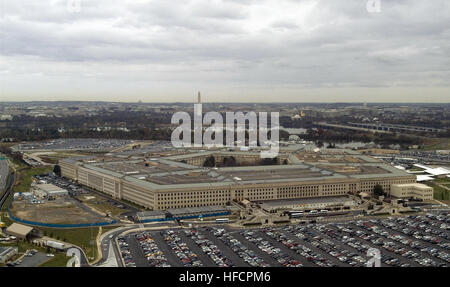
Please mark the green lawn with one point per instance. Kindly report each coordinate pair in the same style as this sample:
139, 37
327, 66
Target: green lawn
60, 260
82, 237
25, 178
444, 180
437, 143
24, 246
440, 193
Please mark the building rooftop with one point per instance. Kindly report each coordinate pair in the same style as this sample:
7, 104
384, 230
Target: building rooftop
305, 201
159, 173
19, 230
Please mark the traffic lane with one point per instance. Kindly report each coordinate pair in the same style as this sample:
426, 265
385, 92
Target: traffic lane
105, 245
116, 250
106, 242
4, 170
4, 196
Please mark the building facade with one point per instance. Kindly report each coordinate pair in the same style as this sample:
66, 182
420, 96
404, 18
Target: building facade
414, 190
177, 182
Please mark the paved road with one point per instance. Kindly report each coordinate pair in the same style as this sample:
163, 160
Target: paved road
4, 169
107, 242
4, 195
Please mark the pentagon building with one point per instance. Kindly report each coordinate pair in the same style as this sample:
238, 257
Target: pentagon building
190, 178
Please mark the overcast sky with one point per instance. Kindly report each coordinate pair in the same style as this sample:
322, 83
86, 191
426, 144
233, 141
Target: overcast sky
230, 50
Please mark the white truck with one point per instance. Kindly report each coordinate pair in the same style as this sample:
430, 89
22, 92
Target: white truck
55, 244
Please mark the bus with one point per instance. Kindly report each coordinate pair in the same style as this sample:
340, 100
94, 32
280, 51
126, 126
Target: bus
296, 215
222, 220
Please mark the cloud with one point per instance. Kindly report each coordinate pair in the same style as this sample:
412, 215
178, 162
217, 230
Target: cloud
247, 45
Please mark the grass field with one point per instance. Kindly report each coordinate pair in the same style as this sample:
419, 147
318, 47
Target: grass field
415, 168
24, 246
60, 260
440, 193
436, 143
25, 177
82, 237
444, 180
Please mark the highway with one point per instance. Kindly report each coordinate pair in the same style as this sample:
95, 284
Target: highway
4, 169
4, 194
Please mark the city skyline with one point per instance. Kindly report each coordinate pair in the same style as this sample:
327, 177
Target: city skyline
232, 51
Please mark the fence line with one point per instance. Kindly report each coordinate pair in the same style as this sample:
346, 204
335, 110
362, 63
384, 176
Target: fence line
53, 225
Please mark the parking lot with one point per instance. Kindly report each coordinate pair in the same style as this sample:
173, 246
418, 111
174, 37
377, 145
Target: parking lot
73, 144
32, 258
414, 241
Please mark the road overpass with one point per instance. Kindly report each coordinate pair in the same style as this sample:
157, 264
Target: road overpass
380, 128
395, 128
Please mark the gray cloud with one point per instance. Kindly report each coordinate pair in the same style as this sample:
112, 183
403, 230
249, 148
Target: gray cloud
227, 47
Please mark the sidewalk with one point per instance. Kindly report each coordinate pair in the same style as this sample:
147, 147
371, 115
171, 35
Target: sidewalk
112, 260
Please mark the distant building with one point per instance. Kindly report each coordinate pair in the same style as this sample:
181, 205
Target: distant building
50, 190
7, 253
23, 195
6, 117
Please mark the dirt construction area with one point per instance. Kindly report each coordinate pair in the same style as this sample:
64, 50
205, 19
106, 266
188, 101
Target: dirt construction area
101, 205
64, 210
